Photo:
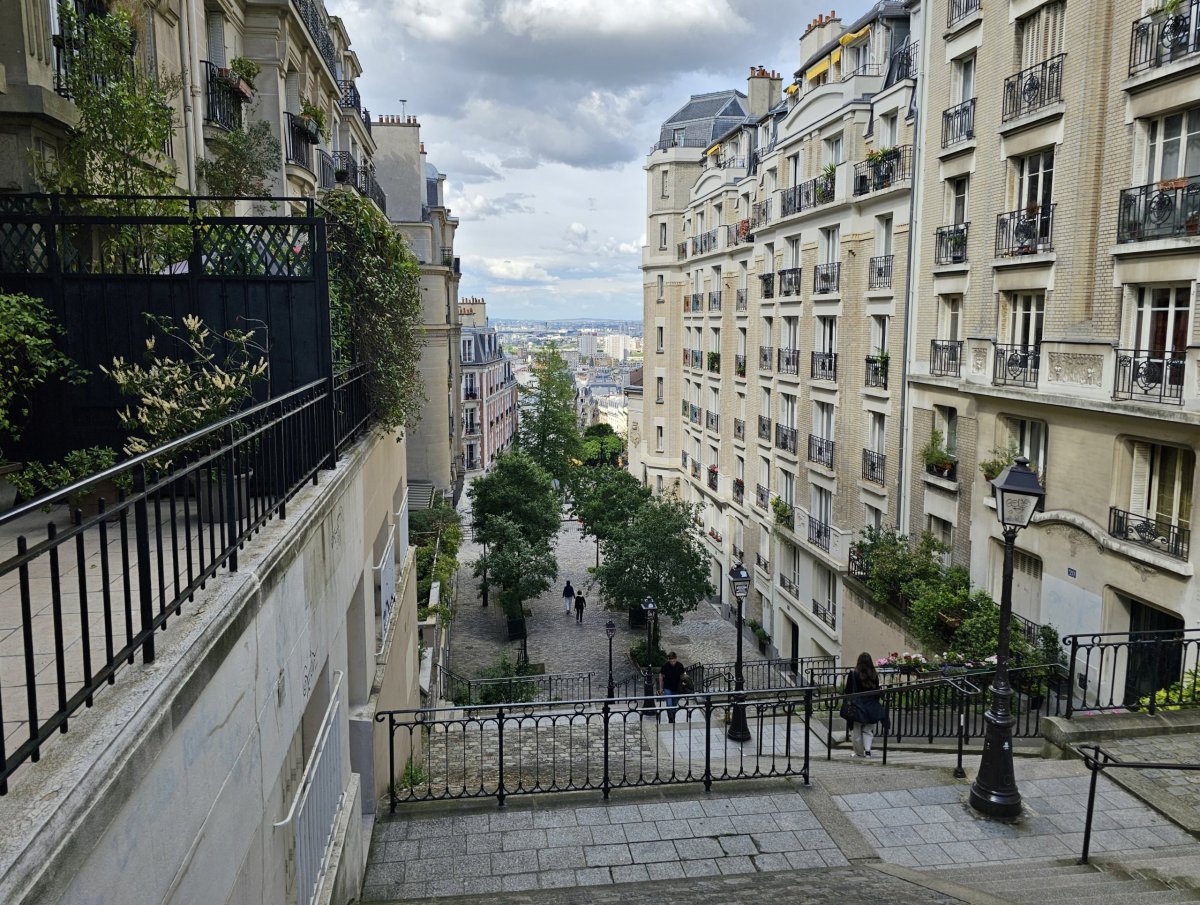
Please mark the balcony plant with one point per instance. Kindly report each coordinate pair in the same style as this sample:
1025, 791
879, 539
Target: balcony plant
242, 162
956, 244
825, 184
936, 457
783, 512
245, 71
714, 361
314, 120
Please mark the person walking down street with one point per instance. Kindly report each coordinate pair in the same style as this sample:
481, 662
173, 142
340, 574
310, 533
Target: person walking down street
580, 603
865, 711
568, 598
671, 678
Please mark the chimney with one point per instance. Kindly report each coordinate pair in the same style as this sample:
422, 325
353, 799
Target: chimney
822, 30
763, 89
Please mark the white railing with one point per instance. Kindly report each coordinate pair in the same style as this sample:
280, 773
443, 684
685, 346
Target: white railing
402, 528
386, 570
314, 810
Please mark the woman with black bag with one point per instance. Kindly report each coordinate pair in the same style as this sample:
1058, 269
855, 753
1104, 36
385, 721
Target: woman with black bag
863, 712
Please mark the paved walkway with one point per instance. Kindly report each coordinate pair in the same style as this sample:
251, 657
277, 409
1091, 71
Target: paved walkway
1174, 792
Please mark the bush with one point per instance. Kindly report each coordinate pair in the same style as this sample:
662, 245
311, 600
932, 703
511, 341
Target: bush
37, 478
638, 652
895, 567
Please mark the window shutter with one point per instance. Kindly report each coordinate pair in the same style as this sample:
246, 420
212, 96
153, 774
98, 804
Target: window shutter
216, 39
1139, 487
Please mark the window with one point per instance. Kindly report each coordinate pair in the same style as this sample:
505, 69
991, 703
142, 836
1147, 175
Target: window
958, 199
787, 410
793, 252
1174, 146
945, 419
1029, 438
949, 315
787, 487
663, 184
793, 170
658, 484
659, 280
1161, 321
658, 331
823, 420
215, 26
883, 235
879, 333
888, 130
833, 149
822, 505
877, 431
873, 517
964, 78
1025, 320
830, 246
1161, 485
1035, 180
825, 584
826, 335
1040, 35
791, 333
658, 441
658, 386
944, 531
662, 235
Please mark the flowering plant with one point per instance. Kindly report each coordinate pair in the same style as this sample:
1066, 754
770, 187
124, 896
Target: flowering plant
905, 661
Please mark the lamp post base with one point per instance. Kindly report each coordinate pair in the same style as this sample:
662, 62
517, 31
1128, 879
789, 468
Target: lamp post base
994, 792
738, 730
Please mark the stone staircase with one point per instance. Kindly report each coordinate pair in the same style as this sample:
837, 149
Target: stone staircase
420, 494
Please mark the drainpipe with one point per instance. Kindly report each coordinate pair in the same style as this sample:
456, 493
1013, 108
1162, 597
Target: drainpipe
910, 275
186, 72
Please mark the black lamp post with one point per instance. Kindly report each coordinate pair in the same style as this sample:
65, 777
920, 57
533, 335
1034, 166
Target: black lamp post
738, 731
651, 611
994, 791
610, 629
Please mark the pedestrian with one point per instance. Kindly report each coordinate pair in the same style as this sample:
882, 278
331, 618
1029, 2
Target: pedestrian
864, 711
580, 603
670, 682
568, 598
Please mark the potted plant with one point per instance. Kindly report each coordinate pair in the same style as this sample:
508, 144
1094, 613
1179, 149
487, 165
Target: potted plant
956, 243
760, 634
1002, 457
341, 175
935, 455
242, 73
314, 120
38, 478
825, 183
783, 512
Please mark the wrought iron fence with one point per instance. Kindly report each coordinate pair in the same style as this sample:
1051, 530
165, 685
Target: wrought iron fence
349, 98
1016, 365
883, 170
352, 408
1133, 670
222, 99
740, 303
714, 300
957, 10
789, 361
789, 281
874, 466
1161, 38
958, 123
1161, 210
767, 285
761, 500
879, 274
760, 213
945, 357
518, 689
739, 490
764, 428
821, 450
1025, 232
951, 244
785, 438
824, 366
299, 141
903, 64
315, 19
764, 358
326, 171
1150, 531
818, 535
827, 277
1149, 377
739, 429
712, 421
877, 371
1034, 88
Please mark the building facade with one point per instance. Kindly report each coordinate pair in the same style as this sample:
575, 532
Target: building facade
489, 390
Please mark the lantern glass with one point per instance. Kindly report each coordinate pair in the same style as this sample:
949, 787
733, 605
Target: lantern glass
1017, 494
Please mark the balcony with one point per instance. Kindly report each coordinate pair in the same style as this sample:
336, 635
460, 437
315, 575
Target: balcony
695, 469
1157, 534
883, 169
827, 277
712, 421
789, 361
1026, 232
951, 244
1163, 210
739, 490
738, 552
945, 357
697, 359
740, 302
957, 10
820, 450
761, 500
326, 170
760, 214
470, 393
767, 285
947, 471
713, 477
694, 414
739, 429
903, 64
879, 274
349, 99
1033, 89
824, 366
739, 365
857, 565
818, 533
877, 371
300, 139
789, 281
317, 23
1016, 365
687, 357
824, 611
707, 241
874, 466
741, 232
1159, 39
764, 358
714, 362
764, 564
697, 301
681, 251
714, 301
958, 124
223, 98
785, 438
787, 584
764, 428
1149, 377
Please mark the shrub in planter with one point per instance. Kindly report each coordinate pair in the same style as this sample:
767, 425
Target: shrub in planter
935, 455
244, 69
39, 478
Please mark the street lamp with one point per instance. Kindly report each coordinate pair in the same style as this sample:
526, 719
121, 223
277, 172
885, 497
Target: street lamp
738, 731
610, 629
651, 611
994, 791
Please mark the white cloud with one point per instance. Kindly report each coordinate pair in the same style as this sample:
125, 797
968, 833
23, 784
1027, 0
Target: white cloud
520, 271
479, 207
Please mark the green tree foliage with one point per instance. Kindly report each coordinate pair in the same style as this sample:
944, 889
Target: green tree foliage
548, 432
895, 565
518, 489
375, 305
243, 162
437, 535
521, 564
659, 555
606, 500
602, 446
949, 618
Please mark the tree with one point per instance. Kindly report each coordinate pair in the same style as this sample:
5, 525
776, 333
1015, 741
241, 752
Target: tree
659, 554
895, 566
547, 432
243, 162
523, 566
602, 446
606, 500
519, 490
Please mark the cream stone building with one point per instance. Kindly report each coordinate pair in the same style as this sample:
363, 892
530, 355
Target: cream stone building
489, 389
1056, 269
774, 303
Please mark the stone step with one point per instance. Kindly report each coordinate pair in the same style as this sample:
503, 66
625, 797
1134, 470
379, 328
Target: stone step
1037, 888
1036, 869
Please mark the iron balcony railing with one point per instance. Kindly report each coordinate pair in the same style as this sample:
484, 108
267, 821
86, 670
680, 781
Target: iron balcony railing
877, 371
818, 533
951, 244
827, 277
1034, 88
299, 141
697, 359
317, 22
673, 142
787, 584
957, 10
1159, 39
879, 275
760, 214
739, 365
764, 358
945, 470
726, 163
958, 124
741, 232
712, 484
874, 465
761, 561
789, 361
891, 166
707, 241
826, 612
761, 500
1025, 232
683, 457
903, 64
694, 417
821, 450
349, 98
1133, 670
789, 281
1161, 210
326, 171
945, 357
695, 469
687, 357
1148, 531
697, 299
714, 300
447, 255
764, 428
767, 285
866, 69
714, 362
681, 250
740, 303
785, 438
794, 199
738, 553
739, 491
365, 116
369, 187
1016, 365
1149, 376
824, 366
222, 98
344, 162
739, 429
712, 421
857, 564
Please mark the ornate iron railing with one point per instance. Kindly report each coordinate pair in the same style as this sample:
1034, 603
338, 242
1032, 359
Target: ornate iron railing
222, 99
785, 438
787, 584
1132, 670
349, 97
760, 214
714, 362
739, 429
299, 141
714, 300
789, 281
886, 169
824, 366
764, 358
345, 162
1034, 88
1149, 377
1149, 531
739, 365
1025, 232
317, 23
827, 277
951, 244
762, 500
945, 357
903, 64
761, 561
877, 371
826, 612
1161, 210
712, 484
958, 123
764, 428
707, 241
740, 303
1016, 365
874, 466
789, 361
821, 450
1159, 39
857, 564
767, 285
879, 274
326, 170
712, 421
818, 535
739, 492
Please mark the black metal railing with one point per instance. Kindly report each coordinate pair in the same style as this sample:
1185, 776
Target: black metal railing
818, 536
785, 438
344, 162
299, 141
739, 492
874, 466
713, 474
368, 187
789, 361
1161, 210
788, 585
1159, 39
739, 365
759, 560
877, 371
673, 142
903, 64
764, 428
879, 273
517, 689
740, 303
945, 470
1149, 531
951, 244
222, 98
827, 277
326, 170
891, 166
714, 300
739, 429
764, 358
767, 285
957, 10
945, 357
1016, 365
1147, 671
349, 97
789, 281
958, 123
712, 421
821, 450
317, 22
824, 366
1034, 88
825, 611
1149, 377
707, 241
1025, 232
760, 213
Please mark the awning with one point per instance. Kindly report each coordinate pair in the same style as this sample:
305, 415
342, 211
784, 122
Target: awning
792, 88
817, 70
846, 39
715, 149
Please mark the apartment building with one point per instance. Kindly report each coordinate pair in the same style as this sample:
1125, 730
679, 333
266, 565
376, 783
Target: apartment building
1056, 268
776, 299
489, 389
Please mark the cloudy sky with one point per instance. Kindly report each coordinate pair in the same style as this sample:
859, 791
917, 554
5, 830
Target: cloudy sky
540, 113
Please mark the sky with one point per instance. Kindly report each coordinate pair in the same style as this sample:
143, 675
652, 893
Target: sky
541, 112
